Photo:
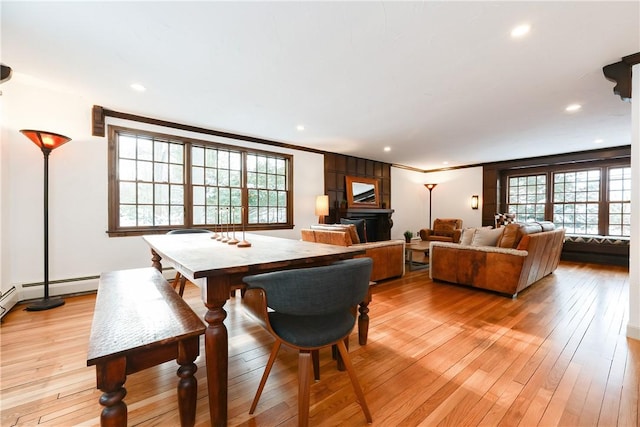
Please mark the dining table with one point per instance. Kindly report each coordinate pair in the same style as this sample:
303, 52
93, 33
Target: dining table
215, 266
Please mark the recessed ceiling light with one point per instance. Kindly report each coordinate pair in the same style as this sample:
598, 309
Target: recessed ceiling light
573, 107
598, 141
387, 148
520, 30
445, 163
300, 127
138, 87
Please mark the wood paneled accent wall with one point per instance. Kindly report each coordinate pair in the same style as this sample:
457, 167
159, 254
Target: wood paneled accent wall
337, 166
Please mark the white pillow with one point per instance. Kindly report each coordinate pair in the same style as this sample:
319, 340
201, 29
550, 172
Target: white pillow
486, 236
467, 236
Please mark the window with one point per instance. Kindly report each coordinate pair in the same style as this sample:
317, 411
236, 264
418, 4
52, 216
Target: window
161, 182
592, 200
620, 201
576, 201
527, 197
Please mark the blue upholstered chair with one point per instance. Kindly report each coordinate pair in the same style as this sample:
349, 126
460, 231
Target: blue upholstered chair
180, 279
309, 309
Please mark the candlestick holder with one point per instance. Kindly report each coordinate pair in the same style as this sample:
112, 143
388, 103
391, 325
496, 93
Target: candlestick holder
244, 243
225, 238
233, 240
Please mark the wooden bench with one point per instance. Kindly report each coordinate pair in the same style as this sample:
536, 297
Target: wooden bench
139, 322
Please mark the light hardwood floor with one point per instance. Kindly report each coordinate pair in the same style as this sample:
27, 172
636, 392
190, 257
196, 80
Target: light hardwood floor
438, 355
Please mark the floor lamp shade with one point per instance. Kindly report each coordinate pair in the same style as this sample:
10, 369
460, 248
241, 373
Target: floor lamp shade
47, 141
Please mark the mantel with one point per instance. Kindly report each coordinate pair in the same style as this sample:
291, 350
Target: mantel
367, 211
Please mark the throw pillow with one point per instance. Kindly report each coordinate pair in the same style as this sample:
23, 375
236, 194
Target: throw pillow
486, 236
510, 236
467, 236
361, 227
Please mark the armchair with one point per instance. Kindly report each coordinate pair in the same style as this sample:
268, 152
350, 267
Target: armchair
444, 230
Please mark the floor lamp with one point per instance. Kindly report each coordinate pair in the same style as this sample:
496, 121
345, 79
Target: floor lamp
47, 142
430, 187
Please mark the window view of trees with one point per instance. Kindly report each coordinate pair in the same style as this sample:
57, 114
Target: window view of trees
528, 197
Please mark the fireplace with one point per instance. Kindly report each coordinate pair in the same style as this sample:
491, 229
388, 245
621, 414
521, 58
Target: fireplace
378, 221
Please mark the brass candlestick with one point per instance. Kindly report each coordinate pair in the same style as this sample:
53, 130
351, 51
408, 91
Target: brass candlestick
225, 239
243, 243
233, 240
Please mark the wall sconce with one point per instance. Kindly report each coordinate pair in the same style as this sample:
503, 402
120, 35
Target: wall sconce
322, 208
475, 202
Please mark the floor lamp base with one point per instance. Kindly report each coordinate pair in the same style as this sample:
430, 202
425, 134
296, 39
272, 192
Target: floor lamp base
45, 304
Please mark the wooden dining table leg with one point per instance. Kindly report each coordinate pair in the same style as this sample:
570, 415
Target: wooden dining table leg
363, 319
216, 342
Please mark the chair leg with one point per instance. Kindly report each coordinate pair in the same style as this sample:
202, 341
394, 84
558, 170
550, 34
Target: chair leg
265, 375
354, 380
315, 356
176, 280
183, 282
304, 384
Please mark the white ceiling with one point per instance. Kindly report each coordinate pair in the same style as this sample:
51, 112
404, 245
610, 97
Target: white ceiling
435, 81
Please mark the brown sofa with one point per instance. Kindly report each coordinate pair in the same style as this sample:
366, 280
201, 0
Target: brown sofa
523, 254
387, 255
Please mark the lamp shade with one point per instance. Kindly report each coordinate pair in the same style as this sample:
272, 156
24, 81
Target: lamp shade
45, 140
322, 205
430, 186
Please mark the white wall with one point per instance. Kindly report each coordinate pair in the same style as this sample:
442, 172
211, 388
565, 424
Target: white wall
450, 199
633, 326
79, 246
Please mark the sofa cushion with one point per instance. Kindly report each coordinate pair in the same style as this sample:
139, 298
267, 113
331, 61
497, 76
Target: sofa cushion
529, 227
547, 225
486, 236
510, 236
361, 227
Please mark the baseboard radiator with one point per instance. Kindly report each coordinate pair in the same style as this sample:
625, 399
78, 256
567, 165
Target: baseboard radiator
33, 291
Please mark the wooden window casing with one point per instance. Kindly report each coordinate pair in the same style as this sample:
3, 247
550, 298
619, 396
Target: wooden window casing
161, 182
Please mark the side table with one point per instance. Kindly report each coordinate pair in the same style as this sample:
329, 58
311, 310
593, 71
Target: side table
419, 246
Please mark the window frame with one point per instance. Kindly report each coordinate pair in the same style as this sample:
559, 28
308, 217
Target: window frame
604, 166
114, 228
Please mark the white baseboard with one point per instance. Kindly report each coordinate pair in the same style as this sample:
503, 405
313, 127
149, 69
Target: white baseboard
633, 332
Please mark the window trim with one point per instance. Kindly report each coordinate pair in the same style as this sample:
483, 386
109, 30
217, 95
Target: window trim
114, 230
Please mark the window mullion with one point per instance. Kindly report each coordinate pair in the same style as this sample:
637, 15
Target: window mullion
603, 217
188, 187
548, 206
